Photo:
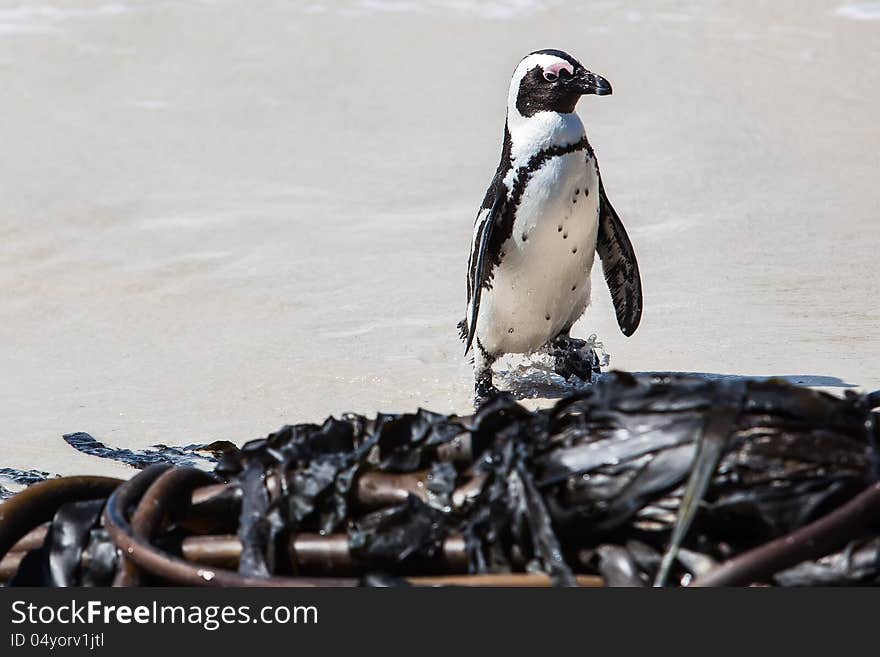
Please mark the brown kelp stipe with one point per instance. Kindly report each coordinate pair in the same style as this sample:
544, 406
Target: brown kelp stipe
825, 536
636, 480
171, 569
171, 489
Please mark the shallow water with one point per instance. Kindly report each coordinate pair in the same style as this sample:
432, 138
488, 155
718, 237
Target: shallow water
216, 220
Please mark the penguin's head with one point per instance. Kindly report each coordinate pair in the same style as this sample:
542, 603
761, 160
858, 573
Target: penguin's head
552, 81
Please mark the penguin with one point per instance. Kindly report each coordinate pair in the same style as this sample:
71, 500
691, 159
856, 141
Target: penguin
543, 218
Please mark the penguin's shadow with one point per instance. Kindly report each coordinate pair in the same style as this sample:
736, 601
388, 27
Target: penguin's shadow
539, 383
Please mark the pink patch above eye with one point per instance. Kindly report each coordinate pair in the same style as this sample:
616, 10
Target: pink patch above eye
559, 66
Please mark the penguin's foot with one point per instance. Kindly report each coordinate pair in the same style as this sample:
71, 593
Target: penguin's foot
572, 357
484, 390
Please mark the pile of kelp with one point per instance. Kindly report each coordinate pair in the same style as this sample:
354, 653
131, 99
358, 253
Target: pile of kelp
636, 481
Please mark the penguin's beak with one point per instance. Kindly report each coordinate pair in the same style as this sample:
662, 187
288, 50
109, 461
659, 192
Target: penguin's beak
590, 83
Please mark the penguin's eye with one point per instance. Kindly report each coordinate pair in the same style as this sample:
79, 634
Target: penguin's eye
550, 76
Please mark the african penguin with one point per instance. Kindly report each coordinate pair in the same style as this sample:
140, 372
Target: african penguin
544, 216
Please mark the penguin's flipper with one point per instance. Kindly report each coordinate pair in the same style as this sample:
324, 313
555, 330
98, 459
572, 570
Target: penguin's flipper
479, 266
619, 265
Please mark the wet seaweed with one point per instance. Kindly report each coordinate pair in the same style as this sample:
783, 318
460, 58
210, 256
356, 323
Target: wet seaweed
858, 564
57, 561
202, 456
13, 480
606, 463
637, 479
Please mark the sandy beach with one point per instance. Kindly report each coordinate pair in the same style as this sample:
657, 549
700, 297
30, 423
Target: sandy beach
217, 220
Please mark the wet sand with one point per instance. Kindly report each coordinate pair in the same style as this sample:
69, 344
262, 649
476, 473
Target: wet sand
217, 220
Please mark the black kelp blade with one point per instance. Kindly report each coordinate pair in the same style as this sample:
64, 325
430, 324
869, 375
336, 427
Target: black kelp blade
190, 456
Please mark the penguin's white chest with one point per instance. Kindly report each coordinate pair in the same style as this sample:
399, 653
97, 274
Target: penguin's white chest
542, 285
